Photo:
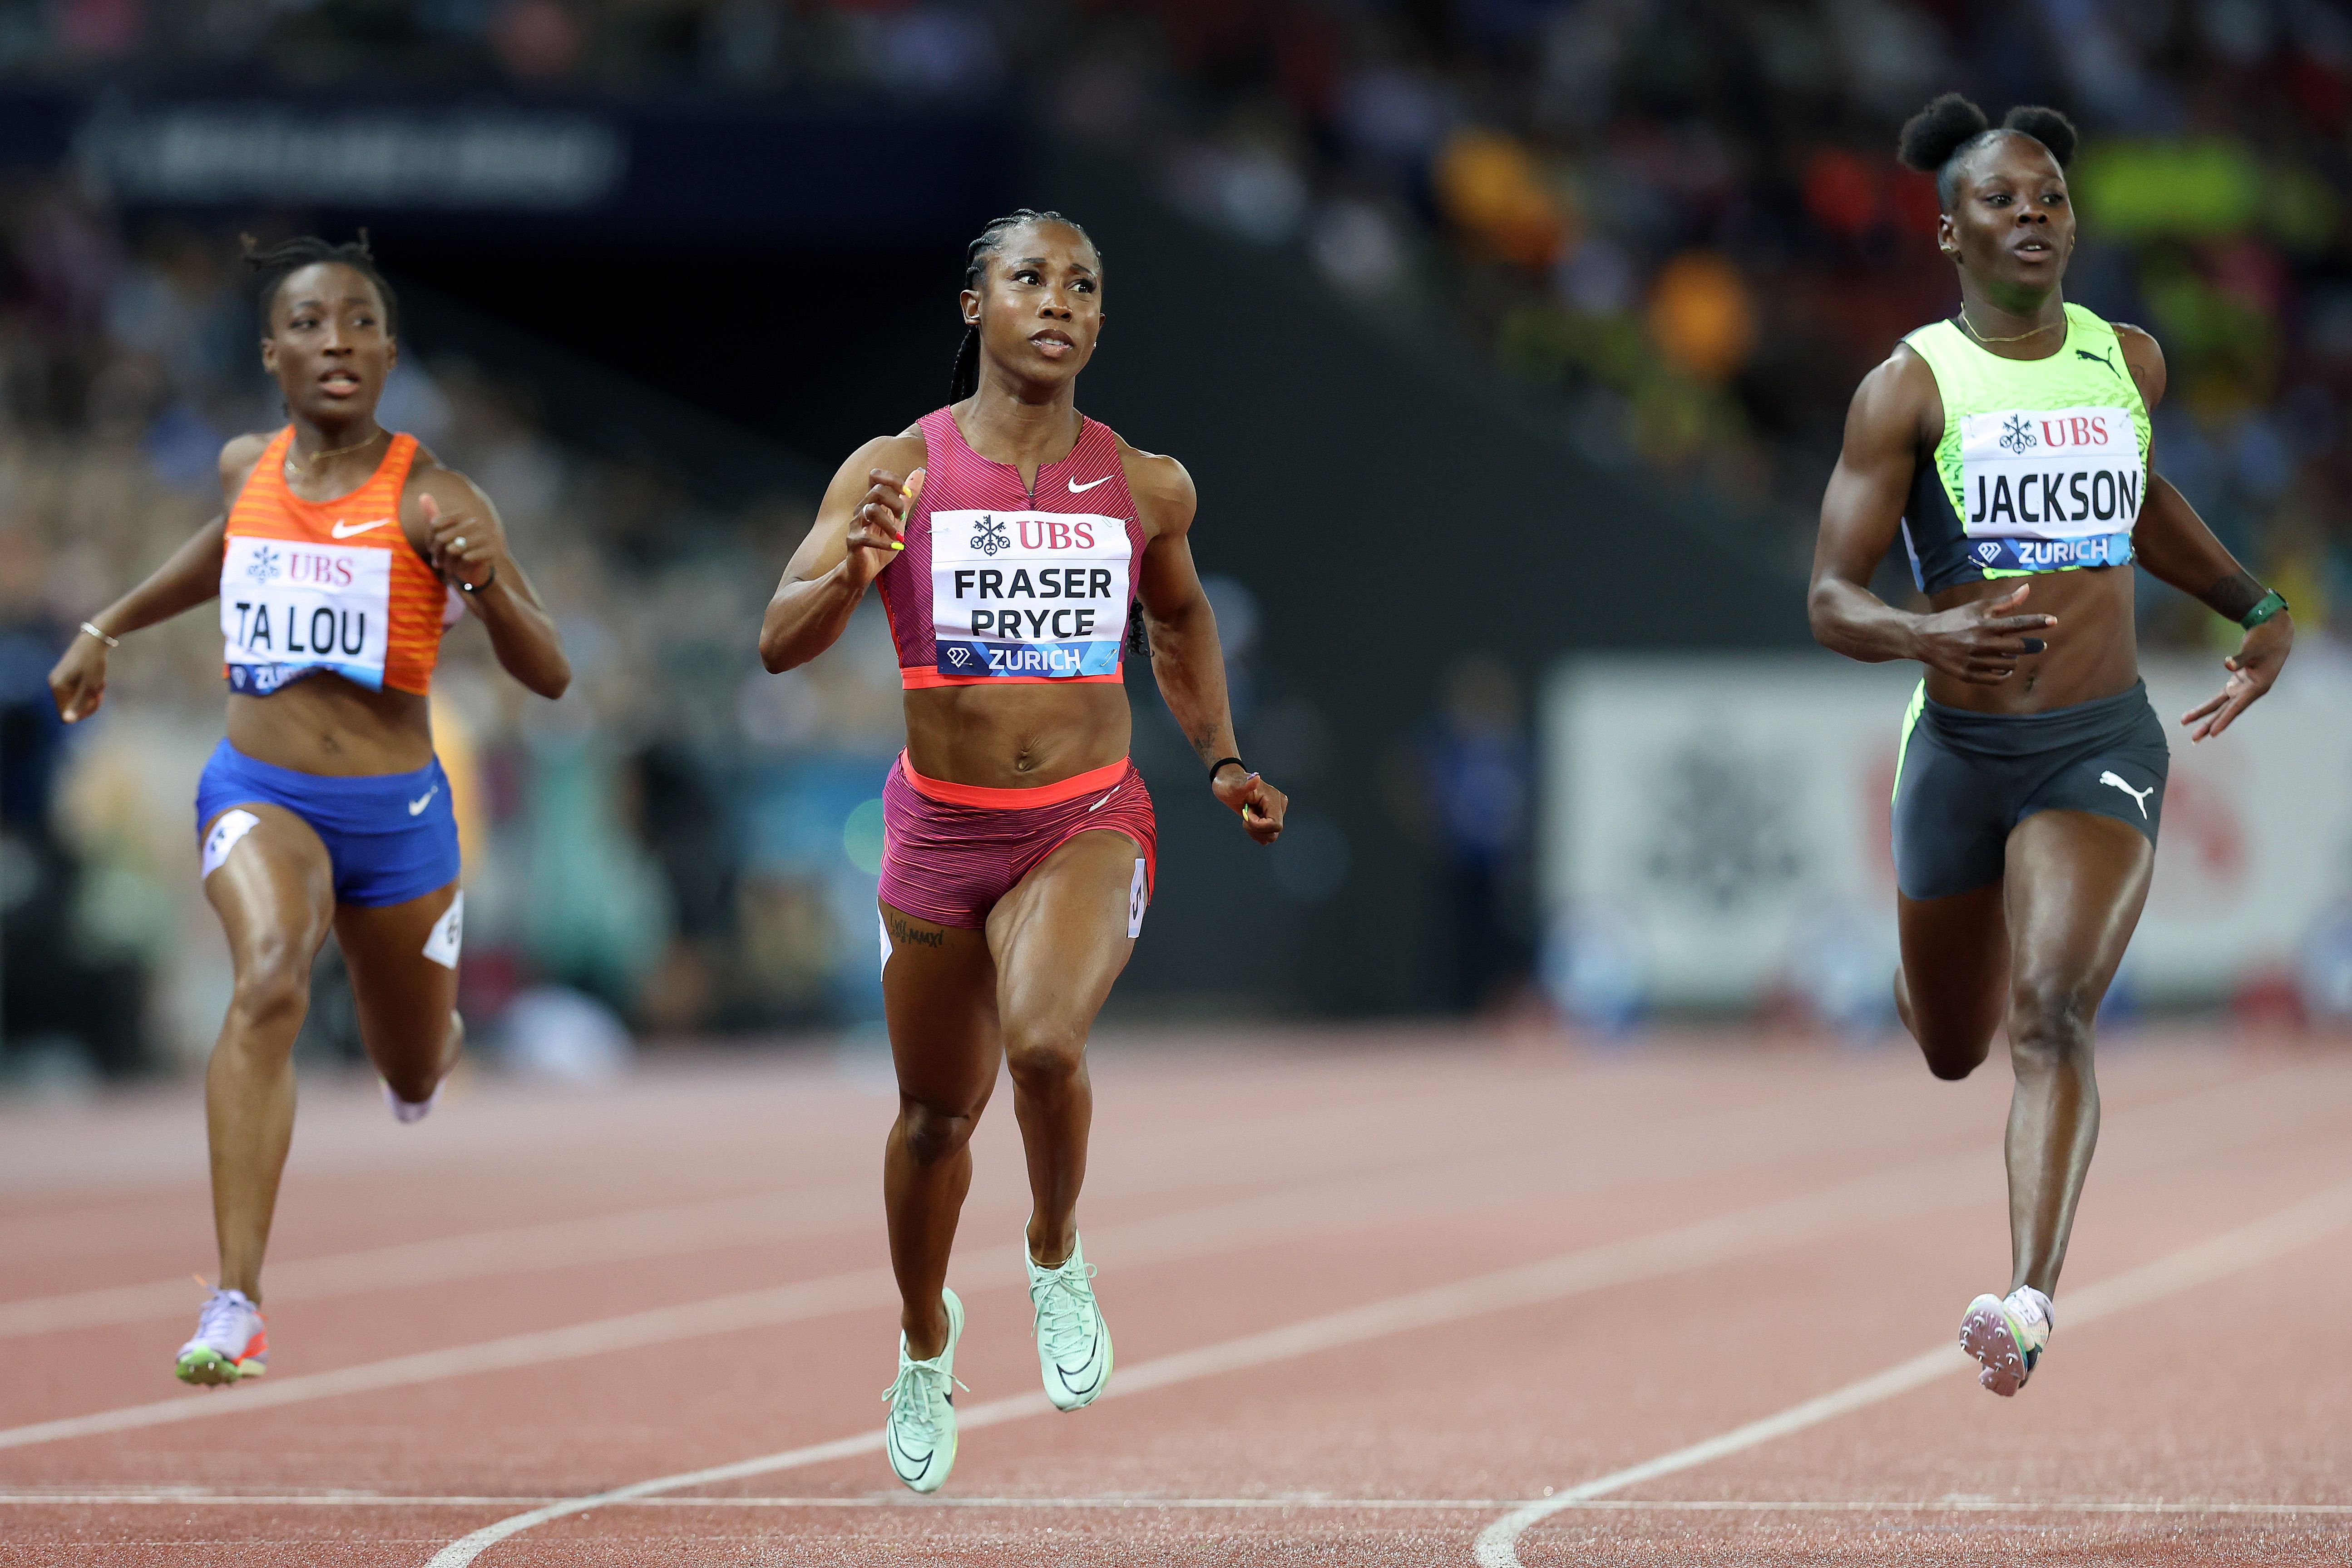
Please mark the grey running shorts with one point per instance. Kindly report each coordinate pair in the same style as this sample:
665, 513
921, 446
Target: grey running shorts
1964, 780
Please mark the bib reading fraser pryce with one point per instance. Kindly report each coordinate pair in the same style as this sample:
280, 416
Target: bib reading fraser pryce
2042, 464
289, 610
1028, 594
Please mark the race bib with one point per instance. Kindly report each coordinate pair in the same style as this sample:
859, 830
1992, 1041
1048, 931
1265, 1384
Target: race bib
1039, 595
2063, 473
289, 610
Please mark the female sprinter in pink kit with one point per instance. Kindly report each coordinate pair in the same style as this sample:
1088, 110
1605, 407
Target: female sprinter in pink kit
1009, 535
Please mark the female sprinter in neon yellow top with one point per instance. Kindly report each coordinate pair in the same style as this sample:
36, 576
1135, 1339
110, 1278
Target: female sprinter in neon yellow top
2010, 448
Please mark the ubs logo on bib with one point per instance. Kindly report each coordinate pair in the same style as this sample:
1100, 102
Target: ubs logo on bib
988, 537
266, 566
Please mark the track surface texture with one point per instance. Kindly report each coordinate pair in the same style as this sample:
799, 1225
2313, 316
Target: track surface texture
1380, 1298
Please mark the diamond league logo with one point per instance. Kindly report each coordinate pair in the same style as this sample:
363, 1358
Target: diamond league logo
959, 655
988, 537
1987, 553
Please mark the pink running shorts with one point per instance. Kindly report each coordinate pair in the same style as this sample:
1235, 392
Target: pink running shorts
949, 850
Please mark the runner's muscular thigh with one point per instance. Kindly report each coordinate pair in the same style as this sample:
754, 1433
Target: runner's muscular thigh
939, 997
404, 998
275, 891
1060, 935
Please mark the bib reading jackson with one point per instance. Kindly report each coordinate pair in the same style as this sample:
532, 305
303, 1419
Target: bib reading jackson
289, 609
2049, 489
1030, 593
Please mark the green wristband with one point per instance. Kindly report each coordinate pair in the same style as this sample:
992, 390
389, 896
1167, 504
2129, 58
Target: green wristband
2271, 605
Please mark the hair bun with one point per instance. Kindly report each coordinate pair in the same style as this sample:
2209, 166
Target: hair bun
1931, 136
2047, 126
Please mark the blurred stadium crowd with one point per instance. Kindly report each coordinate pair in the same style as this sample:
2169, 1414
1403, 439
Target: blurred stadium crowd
1683, 214
1679, 219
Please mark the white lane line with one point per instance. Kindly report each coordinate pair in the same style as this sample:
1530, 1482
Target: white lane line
2219, 1257
1396, 1195
1881, 1196
2204, 1127
633, 1234
1170, 1237
782, 1216
1724, 1139
1189, 1234
1279, 1502
671, 1229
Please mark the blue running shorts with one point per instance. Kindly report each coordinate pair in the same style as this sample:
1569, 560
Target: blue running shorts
391, 837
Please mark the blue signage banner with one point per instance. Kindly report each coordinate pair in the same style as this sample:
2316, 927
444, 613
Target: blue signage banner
750, 170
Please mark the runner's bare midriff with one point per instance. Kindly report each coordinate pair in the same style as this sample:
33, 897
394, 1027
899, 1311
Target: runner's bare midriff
1001, 736
2093, 650
325, 724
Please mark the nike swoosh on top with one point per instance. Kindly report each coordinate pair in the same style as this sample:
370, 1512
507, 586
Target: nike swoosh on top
1076, 487
346, 530
416, 807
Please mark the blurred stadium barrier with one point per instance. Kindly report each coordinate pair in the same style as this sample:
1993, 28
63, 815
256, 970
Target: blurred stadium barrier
1715, 836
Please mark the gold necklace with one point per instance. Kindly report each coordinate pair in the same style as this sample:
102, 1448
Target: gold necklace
1971, 328
315, 458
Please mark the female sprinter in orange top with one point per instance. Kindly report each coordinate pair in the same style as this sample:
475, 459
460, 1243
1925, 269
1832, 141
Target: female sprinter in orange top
1009, 535
344, 551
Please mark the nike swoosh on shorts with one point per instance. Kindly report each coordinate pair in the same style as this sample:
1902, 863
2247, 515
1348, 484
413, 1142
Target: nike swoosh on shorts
416, 807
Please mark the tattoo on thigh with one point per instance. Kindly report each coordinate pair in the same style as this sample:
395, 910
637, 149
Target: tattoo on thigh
906, 933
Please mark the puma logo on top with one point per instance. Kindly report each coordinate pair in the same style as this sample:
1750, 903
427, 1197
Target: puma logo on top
2098, 359
1077, 488
346, 530
2139, 796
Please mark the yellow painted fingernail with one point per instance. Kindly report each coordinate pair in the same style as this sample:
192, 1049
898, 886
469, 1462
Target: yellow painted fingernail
896, 544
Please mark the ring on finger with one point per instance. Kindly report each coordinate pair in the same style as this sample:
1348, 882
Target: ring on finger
458, 542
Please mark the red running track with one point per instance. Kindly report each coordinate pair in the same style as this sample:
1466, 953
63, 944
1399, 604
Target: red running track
1379, 1299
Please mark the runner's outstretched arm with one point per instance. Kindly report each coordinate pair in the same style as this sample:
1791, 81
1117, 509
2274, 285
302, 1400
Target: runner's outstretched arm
2173, 543
1185, 655
189, 578
860, 526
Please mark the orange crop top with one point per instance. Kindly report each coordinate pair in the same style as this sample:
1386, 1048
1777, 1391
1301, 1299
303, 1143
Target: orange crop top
334, 585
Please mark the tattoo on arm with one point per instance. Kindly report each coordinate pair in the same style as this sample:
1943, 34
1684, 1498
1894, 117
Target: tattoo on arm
2235, 596
903, 930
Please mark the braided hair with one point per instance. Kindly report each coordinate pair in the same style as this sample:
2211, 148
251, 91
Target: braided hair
273, 265
1940, 138
965, 379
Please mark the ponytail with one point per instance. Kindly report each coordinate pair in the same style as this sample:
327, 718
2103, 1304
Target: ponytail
964, 380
